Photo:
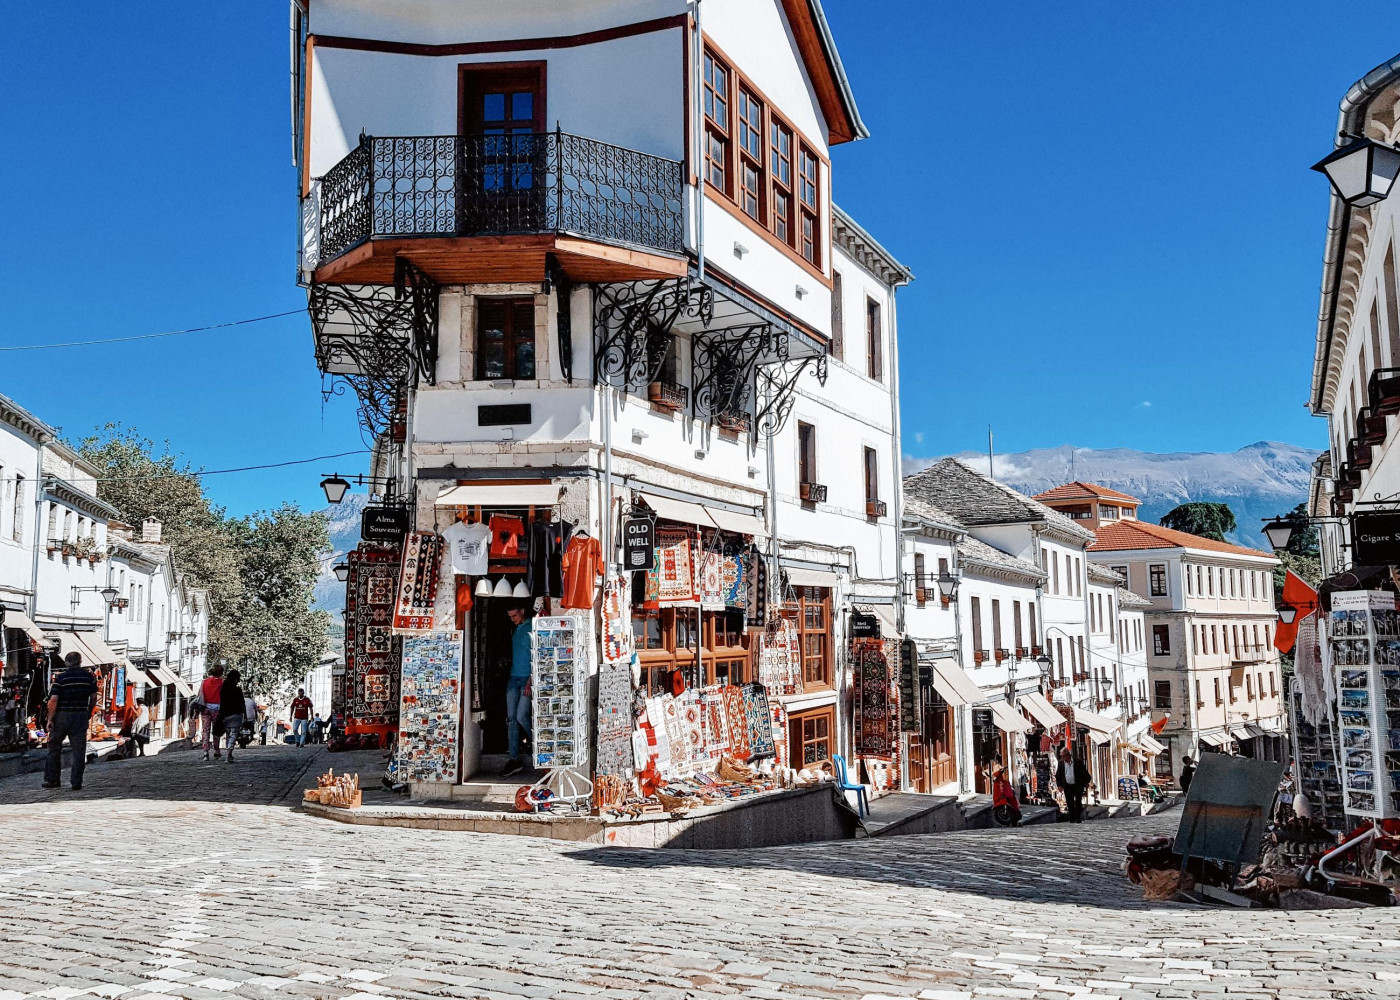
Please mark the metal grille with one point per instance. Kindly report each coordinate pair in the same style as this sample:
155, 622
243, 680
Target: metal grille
497, 185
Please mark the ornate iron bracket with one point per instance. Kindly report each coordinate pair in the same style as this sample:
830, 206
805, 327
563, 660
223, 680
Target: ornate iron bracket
376, 339
630, 322
778, 385
725, 363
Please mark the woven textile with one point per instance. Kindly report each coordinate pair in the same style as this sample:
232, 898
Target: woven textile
733, 585
677, 740
372, 651
758, 717
674, 571
780, 658
756, 588
692, 714
617, 625
712, 721
710, 582
782, 755
736, 725
418, 582
876, 710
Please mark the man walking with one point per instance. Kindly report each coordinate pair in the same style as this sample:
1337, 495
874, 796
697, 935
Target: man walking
1073, 777
301, 717
71, 701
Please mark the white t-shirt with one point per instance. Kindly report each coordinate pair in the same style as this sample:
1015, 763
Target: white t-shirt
468, 547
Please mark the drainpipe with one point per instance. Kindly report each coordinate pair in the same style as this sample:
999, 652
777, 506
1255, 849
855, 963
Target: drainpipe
697, 110
40, 525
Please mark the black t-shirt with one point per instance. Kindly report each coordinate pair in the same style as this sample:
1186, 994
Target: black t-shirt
74, 689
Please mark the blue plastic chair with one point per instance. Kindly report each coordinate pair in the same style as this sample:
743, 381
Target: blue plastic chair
844, 783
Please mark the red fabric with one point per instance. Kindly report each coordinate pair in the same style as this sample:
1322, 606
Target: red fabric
1296, 594
506, 533
582, 565
301, 708
464, 602
209, 690
1003, 794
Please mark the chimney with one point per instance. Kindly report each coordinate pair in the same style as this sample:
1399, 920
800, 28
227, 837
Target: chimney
150, 530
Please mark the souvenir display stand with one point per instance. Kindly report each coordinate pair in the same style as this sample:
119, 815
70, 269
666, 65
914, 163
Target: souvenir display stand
560, 693
1315, 749
430, 717
1364, 641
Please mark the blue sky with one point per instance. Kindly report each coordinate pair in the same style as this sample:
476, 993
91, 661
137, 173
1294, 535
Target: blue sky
1108, 208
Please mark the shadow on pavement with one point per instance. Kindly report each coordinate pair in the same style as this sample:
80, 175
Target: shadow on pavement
258, 775
1070, 864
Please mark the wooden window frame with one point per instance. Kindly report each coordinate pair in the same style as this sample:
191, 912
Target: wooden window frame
1017, 635
797, 734
1162, 633
806, 453
874, 340
871, 468
974, 605
511, 339
669, 655
781, 189
806, 598
920, 576
718, 135
729, 193
750, 163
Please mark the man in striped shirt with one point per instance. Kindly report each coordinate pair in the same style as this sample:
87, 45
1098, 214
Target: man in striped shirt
71, 701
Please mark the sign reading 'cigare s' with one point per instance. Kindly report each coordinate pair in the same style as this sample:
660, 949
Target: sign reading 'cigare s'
1375, 537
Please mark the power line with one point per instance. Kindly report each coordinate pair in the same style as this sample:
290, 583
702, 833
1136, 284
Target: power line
153, 336
222, 472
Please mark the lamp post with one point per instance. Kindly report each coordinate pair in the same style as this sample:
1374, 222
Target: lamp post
1279, 533
1362, 172
342, 572
336, 487
1287, 614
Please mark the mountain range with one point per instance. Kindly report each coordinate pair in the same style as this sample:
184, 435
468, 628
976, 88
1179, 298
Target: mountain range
1258, 481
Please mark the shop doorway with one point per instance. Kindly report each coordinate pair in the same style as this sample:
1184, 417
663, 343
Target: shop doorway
932, 751
986, 749
492, 630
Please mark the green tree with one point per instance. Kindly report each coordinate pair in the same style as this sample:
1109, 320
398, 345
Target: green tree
1303, 541
1208, 520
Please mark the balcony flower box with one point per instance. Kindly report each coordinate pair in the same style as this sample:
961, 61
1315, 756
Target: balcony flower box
54, 545
668, 395
1022, 652
812, 492
875, 508
1037, 651
1358, 454
1384, 391
1002, 655
979, 656
734, 423
1370, 427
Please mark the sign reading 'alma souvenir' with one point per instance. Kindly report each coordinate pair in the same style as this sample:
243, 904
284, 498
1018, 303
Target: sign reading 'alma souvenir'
1376, 537
384, 524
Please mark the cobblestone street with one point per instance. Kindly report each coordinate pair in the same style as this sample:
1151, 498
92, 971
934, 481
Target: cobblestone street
169, 877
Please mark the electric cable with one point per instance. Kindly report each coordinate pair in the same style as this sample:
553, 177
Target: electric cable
153, 336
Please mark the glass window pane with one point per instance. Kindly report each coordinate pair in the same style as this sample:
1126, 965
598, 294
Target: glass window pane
525, 357
493, 107
522, 106
493, 353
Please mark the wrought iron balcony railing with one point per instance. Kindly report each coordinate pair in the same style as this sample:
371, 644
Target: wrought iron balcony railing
500, 185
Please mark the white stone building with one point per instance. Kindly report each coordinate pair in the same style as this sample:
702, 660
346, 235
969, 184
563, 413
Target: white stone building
608, 305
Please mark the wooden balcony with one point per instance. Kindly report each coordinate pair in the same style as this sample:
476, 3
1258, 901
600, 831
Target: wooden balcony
472, 209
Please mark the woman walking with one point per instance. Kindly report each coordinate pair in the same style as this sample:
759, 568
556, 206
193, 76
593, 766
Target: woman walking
209, 698
231, 710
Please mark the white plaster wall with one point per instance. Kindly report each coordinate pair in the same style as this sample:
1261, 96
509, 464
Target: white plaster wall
627, 91
932, 623
19, 456
991, 676
129, 624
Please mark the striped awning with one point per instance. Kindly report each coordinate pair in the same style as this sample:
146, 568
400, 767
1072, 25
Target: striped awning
1151, 745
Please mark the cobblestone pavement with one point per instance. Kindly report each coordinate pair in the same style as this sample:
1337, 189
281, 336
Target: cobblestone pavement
171, 878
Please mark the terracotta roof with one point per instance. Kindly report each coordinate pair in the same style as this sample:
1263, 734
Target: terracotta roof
1141, 535
1078, 490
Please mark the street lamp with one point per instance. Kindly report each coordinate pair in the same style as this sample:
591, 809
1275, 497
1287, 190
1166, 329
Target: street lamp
1287, 614
1279, 532
948, 585
1362, 172
342, 572
335, 487
109, 594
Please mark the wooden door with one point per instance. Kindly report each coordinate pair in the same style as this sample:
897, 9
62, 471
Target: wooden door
501, 118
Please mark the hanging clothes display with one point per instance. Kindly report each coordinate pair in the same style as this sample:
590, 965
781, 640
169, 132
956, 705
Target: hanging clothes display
506, 535
418, 582
468, 546
617, 626
582, 566
545, 575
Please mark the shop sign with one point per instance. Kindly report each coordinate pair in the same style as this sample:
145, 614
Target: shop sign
908, 686
638, 542
1375, 537
384, 524
864, 626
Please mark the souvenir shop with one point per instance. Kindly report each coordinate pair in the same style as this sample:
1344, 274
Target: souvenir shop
23, 677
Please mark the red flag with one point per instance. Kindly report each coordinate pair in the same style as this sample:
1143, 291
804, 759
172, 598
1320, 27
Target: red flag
1161, 724
1303, 600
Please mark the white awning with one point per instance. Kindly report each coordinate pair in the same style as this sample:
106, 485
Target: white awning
1215, 739
500, 495
1151, 745
1007, 719
69, 642
1100, 724
739, 524
679, 510
952, 682
105, 654
1240, 733
164, 675
1041, 710
1253, 730
798, 577
888, 626
21, 621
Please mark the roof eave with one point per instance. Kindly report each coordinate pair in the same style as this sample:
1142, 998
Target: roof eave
838, 71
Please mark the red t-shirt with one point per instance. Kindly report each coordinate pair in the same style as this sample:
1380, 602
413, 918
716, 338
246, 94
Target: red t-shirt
210, 689
301, 708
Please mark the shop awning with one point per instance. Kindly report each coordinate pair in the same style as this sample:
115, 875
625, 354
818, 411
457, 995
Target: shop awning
69, 642
1099, 726
1271, 725
888, 626
1150, 745
798, 577
1041, 710
1253, 730
1215, 739
952, 682
103, 652
500, 495
164, 675
739, 524
1240, 733
21, 621
679, 510
1007, 719
1135, 750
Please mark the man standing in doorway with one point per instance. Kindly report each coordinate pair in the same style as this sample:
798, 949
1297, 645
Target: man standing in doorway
301, 717
71, 701
1073, 776
518, 687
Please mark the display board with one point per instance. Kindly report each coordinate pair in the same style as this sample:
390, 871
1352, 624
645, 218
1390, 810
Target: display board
1315, 748
430, 709
1364, 639
560, 692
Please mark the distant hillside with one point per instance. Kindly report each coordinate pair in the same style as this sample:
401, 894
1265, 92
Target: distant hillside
1258, 481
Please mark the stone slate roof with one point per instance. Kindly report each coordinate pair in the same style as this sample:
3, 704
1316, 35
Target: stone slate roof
974, 499
973, 552
918, 507
1104, 575
1128, 599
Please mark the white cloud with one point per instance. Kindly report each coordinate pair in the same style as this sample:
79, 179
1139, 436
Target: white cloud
918, 437
1146, 402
